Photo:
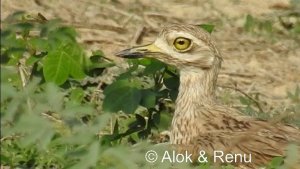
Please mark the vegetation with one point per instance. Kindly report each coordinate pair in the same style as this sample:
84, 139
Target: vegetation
53, 114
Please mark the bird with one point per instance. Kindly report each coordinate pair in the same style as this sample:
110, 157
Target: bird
200, 122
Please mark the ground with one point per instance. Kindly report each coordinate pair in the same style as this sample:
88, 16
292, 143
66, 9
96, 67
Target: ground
255, 64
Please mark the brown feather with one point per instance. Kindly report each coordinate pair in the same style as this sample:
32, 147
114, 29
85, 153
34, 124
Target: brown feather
199, 122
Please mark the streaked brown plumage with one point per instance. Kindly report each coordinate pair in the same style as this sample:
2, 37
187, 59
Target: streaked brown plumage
199, 122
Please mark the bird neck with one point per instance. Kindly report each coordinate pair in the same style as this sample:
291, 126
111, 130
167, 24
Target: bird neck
196, 94
197, 87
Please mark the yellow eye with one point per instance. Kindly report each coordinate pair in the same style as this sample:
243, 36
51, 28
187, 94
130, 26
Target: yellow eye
182, 44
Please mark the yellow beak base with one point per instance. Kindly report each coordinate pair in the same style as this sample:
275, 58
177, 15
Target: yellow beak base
139, 51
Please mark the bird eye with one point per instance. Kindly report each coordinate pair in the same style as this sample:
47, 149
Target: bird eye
182, 44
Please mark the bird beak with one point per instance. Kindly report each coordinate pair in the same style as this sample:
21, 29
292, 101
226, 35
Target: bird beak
139, 51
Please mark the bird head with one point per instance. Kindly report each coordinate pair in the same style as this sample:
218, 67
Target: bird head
183, 46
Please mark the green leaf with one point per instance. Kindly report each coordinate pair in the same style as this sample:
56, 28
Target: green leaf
296, 96
7, 90
33, 59
22, 27
12, 48
76, 59
16, 16
148, 98
268, 26
172, 83
77, 95
9, 40
62, 62
100, 65
145, 61
117, 158
54, 97
173, 95
90, 159
121, 95
204, 166
296, 28
249, 24
245, 100
116, 128
34, 127
39, 44
163, 121
276, 162
97, 61
292, 156
15, 54
154, 66
96, 55
56, 67
138, 124
209, 28
63, 34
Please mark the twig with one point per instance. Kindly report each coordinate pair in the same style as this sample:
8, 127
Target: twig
98, 27
49, 116
42, 18
96, 91
273, 77
238, 74
149, 22
251, 87
115, 10
23, 75
126, 21
242, 92
12, 137
139, 35
91, 41
111, 125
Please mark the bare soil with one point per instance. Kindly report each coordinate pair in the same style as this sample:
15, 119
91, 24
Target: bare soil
256, 64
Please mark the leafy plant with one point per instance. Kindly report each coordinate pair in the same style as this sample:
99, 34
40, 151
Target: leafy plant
52, 115
47, 119
283, 24
52, 54
141, 88
258, 26
295, 97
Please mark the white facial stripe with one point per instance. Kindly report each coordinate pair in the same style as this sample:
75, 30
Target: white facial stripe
202, 48
162, 44
174, 35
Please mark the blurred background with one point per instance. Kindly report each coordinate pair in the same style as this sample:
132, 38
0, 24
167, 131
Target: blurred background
260, 75
258, 39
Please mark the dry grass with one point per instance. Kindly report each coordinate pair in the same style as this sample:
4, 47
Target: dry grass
256, 64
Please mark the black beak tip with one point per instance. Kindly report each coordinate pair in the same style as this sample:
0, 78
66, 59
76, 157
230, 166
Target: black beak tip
127, 53
123, 53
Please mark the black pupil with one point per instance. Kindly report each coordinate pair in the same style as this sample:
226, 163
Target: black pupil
181, 42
